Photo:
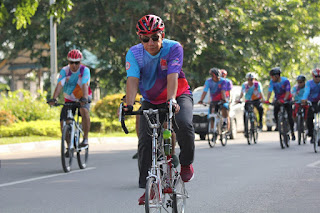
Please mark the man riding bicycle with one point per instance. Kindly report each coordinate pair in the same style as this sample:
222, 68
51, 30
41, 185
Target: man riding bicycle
281, 87
253, 92
74, 79
218, 87
312, 94
155, 67
297, 94
229, 86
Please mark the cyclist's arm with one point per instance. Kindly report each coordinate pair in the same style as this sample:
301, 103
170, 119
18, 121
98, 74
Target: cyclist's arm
223, 94
132, 89
57, 91
172, 85
286, 95
268, 96
84, 88
203, 96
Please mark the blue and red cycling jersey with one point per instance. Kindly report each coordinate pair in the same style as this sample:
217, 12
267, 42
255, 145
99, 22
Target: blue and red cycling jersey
280, 88
298, 92
312, 91
215, 88
229, 86
152, 70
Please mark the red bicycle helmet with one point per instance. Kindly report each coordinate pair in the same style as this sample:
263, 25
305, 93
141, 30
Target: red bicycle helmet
74, 55
316, 72
149, 24
224, 73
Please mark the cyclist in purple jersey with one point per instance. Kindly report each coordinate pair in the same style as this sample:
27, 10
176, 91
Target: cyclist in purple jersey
229, 86
282, 90
312, 94
155, 67
218, 87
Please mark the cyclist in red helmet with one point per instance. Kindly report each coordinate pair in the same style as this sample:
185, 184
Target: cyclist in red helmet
312, 94
74, 80
155, 67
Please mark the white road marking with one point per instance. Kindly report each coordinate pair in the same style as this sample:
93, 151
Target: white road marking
44, 177
314, 164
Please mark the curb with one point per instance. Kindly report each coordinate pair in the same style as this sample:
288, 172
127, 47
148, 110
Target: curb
30, 146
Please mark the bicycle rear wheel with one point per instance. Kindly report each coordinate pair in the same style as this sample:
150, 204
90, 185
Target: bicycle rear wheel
281, 132
152, 196
82, 154
179, 197
255, 130
316, 141
299, 128
250, 137
212, 136
66, 153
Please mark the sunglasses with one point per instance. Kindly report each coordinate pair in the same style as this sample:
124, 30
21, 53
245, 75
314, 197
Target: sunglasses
300, 82
74, 62
250, 79
146, 39
317, 76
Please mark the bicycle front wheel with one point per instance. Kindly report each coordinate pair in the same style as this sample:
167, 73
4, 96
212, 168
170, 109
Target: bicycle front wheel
212, 136
82, 153
250, 137
152, 196
66, 153
179, 196
255, 130
286, 132
316, 141
299, 128
281, 132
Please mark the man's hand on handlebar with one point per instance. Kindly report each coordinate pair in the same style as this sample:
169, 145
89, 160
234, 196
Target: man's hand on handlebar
52, 101
175, 105
128, 108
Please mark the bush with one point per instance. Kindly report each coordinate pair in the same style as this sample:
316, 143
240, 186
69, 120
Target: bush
6, 118
41, 128
27, 108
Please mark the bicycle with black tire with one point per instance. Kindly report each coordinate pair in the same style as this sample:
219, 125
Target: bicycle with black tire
283, 126
165, 188
301, 126
251, 123
316, 128
215, 125
72, 134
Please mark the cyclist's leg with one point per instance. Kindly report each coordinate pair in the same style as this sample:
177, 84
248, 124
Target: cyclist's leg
288, 108
225, 114
258, 105
310, 117
244, 120
185, 133
84, 112
144, 147
275, 114
63, 116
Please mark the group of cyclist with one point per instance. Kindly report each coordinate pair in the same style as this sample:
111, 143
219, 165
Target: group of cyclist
154, 67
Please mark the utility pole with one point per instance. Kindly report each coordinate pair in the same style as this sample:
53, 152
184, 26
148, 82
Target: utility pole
53, 52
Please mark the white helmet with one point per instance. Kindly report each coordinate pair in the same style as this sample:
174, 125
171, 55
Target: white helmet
250, 75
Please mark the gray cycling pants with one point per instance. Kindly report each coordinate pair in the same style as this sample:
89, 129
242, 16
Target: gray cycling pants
185, 136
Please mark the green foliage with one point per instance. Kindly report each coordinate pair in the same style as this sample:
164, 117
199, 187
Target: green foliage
6, 118
24, 11
27, 108
42, 128
108, 106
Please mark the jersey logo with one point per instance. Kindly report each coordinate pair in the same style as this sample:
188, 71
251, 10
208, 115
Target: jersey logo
127, 65
175, 62
163, 64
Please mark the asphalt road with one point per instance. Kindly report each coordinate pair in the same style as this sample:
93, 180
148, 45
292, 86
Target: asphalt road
234, 178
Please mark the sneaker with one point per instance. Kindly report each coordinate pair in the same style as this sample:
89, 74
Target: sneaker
311, 140
135, 156
142, 199
175, 161
84, 143
187, 173
293, 137
246, 135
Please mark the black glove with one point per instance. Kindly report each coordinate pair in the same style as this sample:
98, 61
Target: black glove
129, 107
52, 100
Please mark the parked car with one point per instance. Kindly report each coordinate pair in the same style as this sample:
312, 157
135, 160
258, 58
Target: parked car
200, 113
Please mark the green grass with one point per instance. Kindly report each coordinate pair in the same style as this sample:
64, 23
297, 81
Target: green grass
26, 139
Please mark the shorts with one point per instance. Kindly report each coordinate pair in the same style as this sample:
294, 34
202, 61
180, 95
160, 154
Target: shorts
63, 114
